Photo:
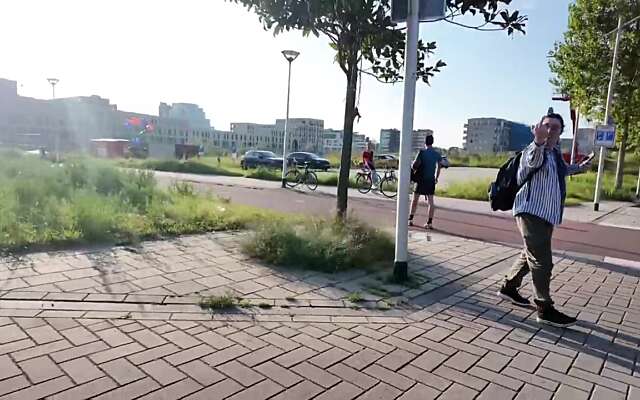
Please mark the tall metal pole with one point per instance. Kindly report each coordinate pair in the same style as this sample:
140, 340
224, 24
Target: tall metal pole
574, 143
54, 82
289, 55
603, 150
400, 266
286, 126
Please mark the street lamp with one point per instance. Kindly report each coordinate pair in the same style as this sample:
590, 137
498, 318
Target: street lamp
53, 82
575, 119
290, 56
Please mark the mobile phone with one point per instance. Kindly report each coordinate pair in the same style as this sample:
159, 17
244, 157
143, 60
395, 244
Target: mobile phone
589, 157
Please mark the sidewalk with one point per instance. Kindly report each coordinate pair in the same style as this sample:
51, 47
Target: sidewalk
123, 323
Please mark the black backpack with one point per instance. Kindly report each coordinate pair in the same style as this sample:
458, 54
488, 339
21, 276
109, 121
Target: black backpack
502, 193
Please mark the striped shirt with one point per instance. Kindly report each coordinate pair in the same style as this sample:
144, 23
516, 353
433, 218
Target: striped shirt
543, 196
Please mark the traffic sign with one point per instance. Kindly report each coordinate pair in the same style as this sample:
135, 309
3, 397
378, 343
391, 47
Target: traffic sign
429, 10
605, 136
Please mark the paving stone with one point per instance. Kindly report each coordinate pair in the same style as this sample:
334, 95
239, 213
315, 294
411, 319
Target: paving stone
495, 392
261, 355
227, 354
11, 333
353, 376
343, 390
462, 361
530, 392
525, 362
425, 377
420, 392
162, 372
122, 371
245, 376
557, 362
130, 391
260, 391
588, 362
278, 374
568, 393
40, 369
316, 375
459, 377
113, 337
304, 390
41, 390
329, 357
116, 352
396, 359
458, 392
201, 372
295, 357
381, 391
494, 377
397, 380
81, 370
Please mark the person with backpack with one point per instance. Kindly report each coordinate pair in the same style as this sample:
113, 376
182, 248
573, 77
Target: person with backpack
425, 172
538, 205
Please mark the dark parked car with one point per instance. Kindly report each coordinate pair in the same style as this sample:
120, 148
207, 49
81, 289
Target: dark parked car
314, 161
260, 158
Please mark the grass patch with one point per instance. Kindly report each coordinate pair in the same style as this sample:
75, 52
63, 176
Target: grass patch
479, 160
580, 188
222, 302
470, 190
188, 167
355, 297
324, 245
264, 174
88, 201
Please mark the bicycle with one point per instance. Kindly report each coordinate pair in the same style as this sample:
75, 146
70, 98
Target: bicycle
294, 177
389, 184
364, 181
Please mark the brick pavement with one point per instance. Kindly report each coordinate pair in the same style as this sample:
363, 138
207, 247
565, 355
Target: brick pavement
122, 324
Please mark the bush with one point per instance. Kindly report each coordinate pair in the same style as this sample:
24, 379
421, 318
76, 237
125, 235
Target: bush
264, 173
90, 201
324, 245
189, 167
470, 190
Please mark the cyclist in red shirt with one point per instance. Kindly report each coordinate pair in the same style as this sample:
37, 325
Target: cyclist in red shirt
367, 162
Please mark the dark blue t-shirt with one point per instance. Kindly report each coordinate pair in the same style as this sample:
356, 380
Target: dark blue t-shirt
429, 160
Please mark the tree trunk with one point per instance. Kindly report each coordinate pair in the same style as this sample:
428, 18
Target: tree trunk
347, 137
621, 154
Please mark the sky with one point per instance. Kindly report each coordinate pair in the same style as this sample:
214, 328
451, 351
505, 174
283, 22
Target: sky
216, 54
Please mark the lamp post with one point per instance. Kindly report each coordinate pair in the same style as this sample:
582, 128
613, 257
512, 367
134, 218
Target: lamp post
53, 82
290, 56
575, 119
607, 111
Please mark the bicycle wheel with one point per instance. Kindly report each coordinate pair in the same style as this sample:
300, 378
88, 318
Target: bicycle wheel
311, 180
389, 187
292, 178
363, 183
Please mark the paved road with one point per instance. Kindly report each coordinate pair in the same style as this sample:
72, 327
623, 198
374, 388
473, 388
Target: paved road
571, 236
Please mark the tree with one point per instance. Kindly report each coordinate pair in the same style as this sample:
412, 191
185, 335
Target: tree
582, 66
361, 31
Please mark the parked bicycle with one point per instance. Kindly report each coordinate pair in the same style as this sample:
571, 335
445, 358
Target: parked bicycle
294, 177
387, 184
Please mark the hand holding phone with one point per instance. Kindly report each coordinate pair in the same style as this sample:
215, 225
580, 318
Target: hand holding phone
589, 158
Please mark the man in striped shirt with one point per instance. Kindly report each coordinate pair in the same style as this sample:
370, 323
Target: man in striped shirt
537, 209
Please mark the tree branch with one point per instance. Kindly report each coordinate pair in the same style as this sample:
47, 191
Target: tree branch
377, 78
478, 28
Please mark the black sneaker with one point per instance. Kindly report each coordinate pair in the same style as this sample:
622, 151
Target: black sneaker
513, 296
550, 316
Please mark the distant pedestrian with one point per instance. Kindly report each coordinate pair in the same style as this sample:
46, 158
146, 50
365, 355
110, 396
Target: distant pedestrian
538, 207
425, 173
